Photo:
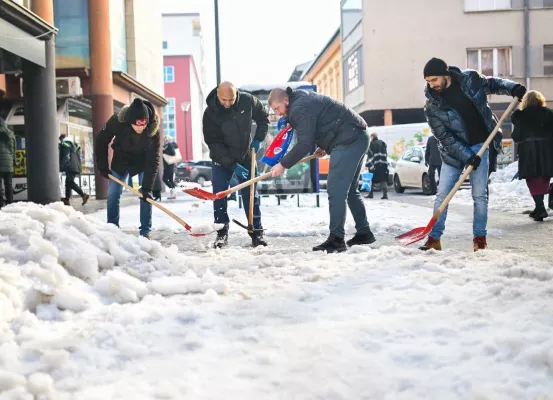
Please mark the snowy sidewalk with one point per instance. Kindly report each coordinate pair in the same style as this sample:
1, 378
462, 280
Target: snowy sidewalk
90, 312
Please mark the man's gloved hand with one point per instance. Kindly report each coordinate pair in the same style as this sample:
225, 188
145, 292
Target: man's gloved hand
146, 194
474, 161
241, 172
105, 173
255, 145
518, 91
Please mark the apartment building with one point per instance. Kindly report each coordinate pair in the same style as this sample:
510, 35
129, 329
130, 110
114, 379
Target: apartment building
385, 46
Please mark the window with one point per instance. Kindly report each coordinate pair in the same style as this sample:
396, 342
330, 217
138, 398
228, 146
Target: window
487, 5
548, 3
196, 27
490, 62
548, 59
353, 68
169, 74
169, 122
164, 45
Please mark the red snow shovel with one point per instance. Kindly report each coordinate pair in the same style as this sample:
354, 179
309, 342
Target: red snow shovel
418, 234
193, 232
205, 195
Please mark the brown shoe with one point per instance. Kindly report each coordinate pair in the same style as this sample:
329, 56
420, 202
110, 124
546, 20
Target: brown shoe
431, 243
65, 201
479, 243
85, 198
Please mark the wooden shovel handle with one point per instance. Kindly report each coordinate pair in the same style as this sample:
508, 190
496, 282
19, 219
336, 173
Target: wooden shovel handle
469, 169
257, 179
152, 202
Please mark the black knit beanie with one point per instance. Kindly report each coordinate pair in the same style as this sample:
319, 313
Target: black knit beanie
137, 113
436, 67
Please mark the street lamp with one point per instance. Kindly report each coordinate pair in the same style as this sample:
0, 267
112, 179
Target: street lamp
185, 106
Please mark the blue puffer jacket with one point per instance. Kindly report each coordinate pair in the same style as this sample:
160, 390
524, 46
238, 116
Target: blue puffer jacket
448, 126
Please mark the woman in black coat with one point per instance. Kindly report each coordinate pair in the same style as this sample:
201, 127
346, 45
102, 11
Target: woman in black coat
533, 131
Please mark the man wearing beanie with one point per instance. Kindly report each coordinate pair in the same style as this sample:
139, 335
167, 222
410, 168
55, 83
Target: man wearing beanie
461, 119
136, 145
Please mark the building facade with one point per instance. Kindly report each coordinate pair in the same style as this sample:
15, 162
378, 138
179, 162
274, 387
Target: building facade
326, 70
99, 58
383, 61
184, 80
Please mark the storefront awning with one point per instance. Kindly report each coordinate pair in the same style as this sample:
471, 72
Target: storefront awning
23, 33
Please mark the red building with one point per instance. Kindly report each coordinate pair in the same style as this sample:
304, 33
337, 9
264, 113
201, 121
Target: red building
182, 117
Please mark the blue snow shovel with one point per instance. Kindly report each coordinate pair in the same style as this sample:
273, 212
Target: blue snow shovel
367, 178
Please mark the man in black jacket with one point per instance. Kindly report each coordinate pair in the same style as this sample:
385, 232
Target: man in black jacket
340, 132
378, 165
227, 125
70, 163
433, 161
136, 148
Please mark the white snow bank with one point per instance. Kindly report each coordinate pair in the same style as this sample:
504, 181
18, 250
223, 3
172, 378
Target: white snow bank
56, 255
505, 174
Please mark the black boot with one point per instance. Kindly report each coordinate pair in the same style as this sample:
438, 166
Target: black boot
540, 212
221, 240
384, 190
359, 239
333, 244
257, 239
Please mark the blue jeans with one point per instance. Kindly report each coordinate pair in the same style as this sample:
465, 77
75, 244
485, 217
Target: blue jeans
221, 177
346, 161
114, 196
479, 184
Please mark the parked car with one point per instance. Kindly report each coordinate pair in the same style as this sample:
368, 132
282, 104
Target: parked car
324, 167
411, 172
194, 171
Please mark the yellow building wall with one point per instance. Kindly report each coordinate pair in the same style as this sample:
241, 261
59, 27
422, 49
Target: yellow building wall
327, 72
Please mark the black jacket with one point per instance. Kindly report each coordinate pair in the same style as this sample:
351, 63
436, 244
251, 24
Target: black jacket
131, 152
533, 131
378, 160
319, 119
70, 159
227, 132
432, 154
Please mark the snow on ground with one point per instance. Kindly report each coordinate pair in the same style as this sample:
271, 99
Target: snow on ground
505, 194
373, 323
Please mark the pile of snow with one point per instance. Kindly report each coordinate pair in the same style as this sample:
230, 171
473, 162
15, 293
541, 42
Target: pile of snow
505, 194
505, 174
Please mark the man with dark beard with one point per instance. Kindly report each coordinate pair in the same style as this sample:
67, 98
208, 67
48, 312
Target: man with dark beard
461, 119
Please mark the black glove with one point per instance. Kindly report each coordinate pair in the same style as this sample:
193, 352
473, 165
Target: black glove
105, 173
146, 194
474, 161
518, 91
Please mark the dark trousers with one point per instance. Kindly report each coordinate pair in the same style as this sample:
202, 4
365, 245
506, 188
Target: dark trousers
432, 174
6, 177
168, 175
221, 180
71, 185
383, 186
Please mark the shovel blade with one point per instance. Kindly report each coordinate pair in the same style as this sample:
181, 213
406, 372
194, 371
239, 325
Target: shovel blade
201, 194
417, 234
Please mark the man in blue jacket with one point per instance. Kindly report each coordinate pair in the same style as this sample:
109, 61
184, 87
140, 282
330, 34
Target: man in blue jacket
340, 132
461, 119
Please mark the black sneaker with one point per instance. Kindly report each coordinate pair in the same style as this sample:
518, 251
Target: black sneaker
221, 240
333, 244
358, 239
257, 239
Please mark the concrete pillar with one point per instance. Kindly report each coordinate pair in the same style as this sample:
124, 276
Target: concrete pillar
101, 81
41, 121
388, 117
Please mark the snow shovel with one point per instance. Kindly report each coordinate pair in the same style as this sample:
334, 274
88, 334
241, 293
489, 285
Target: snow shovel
205, 195
198, 231
250, 227
417, 234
